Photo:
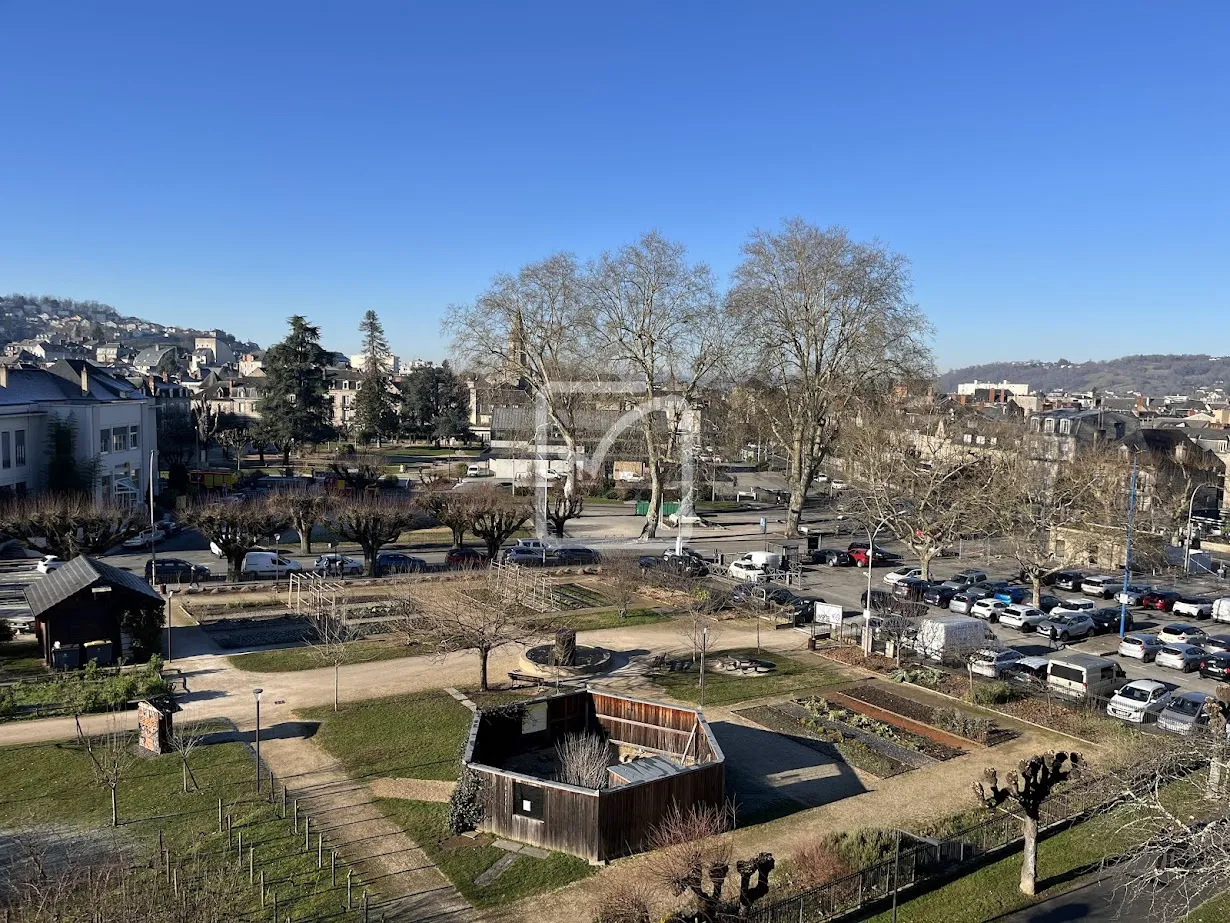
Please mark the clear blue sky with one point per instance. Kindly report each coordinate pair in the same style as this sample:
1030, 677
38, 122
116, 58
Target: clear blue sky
1057, 172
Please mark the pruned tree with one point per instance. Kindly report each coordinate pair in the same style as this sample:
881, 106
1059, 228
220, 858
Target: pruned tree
622, 580
656, 321
926, 493
111, 755
185, 737
583, 760
483, 621
496, 517
206, 419
68, 525
236, 528
452, 509
827, 321
232, 433
331, 645
562, 506
359, 471
305, 509
689, 849
1027, 787
372, 522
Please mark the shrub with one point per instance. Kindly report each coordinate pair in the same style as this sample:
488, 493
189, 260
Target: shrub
464, 810
997, 693
955, 721
814, 864
928, 677
8, 703
863, 847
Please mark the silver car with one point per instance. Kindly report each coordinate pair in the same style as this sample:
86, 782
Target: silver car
1185, 713
1142, 647
1185, 657
1067, 627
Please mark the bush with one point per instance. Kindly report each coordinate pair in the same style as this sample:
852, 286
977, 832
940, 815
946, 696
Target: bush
464, 810
8, 702
814, 864
955, 721
863, 847
997, 693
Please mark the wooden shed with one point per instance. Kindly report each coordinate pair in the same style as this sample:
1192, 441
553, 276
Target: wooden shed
78, 609
661, 756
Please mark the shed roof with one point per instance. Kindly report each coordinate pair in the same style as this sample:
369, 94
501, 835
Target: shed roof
79, 574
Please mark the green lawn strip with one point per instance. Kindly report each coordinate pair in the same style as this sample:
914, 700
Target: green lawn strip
1216, 910
993, 889
291, 659
427, 824
417, 736
602, 619
52, 784
20, 659
790, 677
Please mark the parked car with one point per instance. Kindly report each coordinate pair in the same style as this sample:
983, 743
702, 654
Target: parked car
1194, 607
1067, 579
49, 563
1184, 713
268, 564
993, 663
902, 573
964, 601
1028, 671
1083, 675
1107, 619
880, 558
939, 595
1102, 586
968, 577
747, 570
1216, 644
146, 539
176, 569
397, 562
1012, 594
1046, 602
858, 546
1140, 700
338, 564
1133, 594
832, 557
531, 557
1181, 633
1022, 617
464, 558
988, 608
1216, 666
1221, 609
684, 565
1142, 646
1177, 656
1067, 626
911, 588
1159, 600
1072, 606
576, 556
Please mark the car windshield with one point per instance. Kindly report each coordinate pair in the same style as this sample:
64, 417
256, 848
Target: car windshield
1134, 694
1187, 706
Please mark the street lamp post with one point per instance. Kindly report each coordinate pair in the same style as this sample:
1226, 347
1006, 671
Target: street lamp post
1187, 547
871, 553
256, 694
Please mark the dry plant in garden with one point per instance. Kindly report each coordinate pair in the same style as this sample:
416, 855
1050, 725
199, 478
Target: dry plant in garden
583, 760
689, 849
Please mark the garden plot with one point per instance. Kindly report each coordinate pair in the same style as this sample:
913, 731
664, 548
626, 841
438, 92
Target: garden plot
950, 720
875, 759
578, 596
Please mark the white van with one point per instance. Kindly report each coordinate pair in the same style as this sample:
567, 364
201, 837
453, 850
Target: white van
478, 471
268, 564
1221, 609
948, 635
1080, 675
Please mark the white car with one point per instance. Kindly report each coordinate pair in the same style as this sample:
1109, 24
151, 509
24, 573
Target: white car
988, 609
1185, 657
1022, 617
145, 539
338, 564
1194, 607
1140, 646
902, 573
1140, 700
1181, 633
1074, 607
748, 571
48, 564
993, 663
1101, 586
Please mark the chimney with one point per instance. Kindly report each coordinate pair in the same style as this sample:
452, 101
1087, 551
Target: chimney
85, 378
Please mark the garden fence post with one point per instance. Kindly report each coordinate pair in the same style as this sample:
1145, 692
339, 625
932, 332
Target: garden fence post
295, 820
320, 851
307, 835
365, 905
349, 875
251, 864
240, 848
262, 889
333, 868
219, 815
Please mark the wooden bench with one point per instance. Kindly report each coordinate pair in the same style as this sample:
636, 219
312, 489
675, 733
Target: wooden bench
517, 676
175, 678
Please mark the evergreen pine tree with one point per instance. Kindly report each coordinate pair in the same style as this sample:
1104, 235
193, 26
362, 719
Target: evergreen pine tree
375, 415
296, 408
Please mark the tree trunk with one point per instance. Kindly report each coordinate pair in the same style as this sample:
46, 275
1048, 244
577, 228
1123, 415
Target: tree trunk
655, 504
286, 461
1035, 583
482, 668
234, 567
115, 811
337, 669
794, 509
185, 771
1029, 858
304, 529
459, 535
369, 560
493, 549
924, 561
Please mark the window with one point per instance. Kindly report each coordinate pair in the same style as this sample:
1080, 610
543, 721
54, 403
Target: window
6, 450
967, 438
1065, 427
119, 439
994, 440
1072, 674
19, 447
105, 483
981, 440
1048, 425
134, 437
104, 441
527, 800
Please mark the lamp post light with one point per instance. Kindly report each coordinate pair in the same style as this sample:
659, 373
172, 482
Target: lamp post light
1191, 509
256, 694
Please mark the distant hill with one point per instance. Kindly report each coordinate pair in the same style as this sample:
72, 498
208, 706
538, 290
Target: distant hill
25, 317
1150, 375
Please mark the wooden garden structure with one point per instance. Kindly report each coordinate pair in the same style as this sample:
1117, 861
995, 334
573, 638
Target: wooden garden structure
661, 756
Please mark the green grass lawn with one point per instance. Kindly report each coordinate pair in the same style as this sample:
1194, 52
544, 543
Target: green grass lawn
792, 677
417, 736
19, 659
601, 619
1215, 911
291, 659
427, 824
52, 784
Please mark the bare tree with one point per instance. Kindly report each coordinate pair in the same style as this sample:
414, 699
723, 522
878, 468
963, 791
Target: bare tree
373, 522
497, 516
331, 645
622, 580
699, 627
185, 737
453, 509
68, 525
828, 321
359, 471
236, 528
562, 506
305, 509
524, 331
583, 760
690, 848
926, 494
482, 621
1030, 784
658, 321
111, 755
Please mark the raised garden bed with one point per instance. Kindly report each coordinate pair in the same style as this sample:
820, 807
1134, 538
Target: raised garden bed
912, 735
850, 749
952, 721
